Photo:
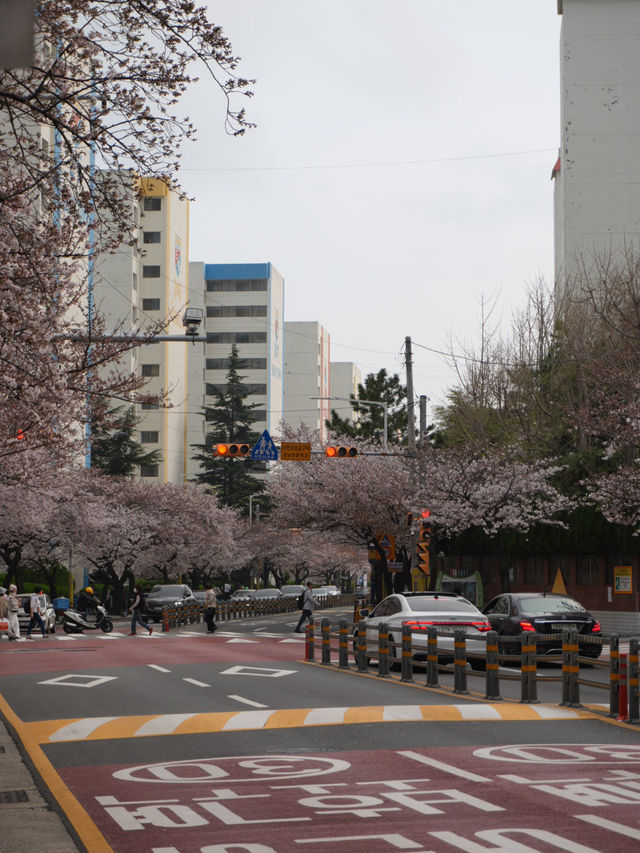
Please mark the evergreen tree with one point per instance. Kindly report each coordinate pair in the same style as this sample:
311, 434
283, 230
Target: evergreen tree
233, 480
377, 387
115, 450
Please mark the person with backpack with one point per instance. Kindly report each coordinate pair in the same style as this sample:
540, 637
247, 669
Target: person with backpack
137, 610
308, 604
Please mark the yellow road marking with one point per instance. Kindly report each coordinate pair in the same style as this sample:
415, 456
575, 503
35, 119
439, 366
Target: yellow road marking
78, 817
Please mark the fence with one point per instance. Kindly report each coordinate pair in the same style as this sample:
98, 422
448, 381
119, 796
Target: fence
622, 685
188, 614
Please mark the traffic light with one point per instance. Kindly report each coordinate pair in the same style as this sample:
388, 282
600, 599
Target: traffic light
340, 452
20, 435
233, 450
422, 547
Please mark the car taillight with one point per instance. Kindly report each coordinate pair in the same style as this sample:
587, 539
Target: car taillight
526, 626
596, 628
414, 624
482, 626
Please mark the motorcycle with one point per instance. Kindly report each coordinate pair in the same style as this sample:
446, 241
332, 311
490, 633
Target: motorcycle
74, 622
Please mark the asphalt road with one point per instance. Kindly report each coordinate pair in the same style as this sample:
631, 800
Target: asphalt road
188, 743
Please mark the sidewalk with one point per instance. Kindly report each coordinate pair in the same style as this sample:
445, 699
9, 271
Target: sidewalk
27, 821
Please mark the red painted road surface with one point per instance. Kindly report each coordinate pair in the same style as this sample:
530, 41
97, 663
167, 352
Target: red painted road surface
514, 799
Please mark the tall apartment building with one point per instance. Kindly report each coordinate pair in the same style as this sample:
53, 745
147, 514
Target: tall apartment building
597, 176
345, 378
307, 374
244, 305
142, 284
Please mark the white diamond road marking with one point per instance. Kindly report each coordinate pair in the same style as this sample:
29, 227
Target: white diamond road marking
260, 671
74, 680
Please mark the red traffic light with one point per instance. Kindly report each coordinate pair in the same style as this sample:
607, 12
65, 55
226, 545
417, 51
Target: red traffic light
340, 452
233, 450
20, 435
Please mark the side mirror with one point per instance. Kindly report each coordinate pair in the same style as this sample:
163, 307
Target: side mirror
364, 613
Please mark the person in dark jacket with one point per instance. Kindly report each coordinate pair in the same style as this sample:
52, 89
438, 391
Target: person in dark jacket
137, 610
87, 601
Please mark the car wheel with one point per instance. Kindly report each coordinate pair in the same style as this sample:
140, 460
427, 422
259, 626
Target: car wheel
477, 664
68, 629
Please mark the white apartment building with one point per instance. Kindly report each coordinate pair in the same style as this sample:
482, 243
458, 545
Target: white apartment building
307, 348
345, 378
140, 285
244, 305
597, 176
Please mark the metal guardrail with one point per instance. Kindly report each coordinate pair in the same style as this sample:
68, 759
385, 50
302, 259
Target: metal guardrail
623, 684
188, 614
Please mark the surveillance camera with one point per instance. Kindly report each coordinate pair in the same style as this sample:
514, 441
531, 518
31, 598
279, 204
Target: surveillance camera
191, 320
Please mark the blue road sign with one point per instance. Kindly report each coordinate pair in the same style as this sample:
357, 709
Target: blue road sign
264, 450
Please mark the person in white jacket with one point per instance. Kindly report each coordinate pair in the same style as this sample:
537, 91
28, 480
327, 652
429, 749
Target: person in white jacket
309, 604
14, 606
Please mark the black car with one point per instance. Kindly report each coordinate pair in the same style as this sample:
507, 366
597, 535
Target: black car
514, 613
166, 595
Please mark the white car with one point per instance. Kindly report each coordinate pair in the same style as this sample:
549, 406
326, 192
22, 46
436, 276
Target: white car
447, 612
326, 592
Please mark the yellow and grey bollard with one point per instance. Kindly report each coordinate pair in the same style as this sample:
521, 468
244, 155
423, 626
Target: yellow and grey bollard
460, 662
614, 676
634, 697
570, 669
529, 671
361, 657
325, 631
492, 683
343, 645
432, 657
383, 650
406, 663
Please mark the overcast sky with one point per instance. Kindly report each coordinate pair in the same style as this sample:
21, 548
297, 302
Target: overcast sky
399, 172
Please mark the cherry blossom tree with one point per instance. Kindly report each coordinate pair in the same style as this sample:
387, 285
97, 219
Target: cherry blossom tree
102, 94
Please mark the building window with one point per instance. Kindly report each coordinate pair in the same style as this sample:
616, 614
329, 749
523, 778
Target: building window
534, 571
153, 203
213, 388
236, 337
150, 304
150, 271
150, 236
234, 286
587, 573
149, 470
149, 436
148, 407
134, 281
151, 370
245, 364
236, 310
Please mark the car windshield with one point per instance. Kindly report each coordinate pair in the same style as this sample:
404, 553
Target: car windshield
432, 604
167, 590
550, 605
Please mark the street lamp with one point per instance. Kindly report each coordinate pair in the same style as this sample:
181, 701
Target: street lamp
384, 406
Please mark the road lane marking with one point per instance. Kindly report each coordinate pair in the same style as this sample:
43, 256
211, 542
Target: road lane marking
441, 765
158, 667
107, 728
196, 682
247, 701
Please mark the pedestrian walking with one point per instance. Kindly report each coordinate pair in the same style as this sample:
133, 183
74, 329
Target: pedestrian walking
226, 591
210, 609
35, 607
14, 606
309, 604
4, 611
137, 610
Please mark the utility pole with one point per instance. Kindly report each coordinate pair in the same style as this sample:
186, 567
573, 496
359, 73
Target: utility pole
423, 417
411, 423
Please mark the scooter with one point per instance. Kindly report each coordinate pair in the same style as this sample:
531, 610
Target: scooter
74, 622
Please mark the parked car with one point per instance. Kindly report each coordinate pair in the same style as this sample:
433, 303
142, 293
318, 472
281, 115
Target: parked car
326, 592
266, 594
166, 595
48, 613
243, 594
291, 590
514, 613
448, 612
